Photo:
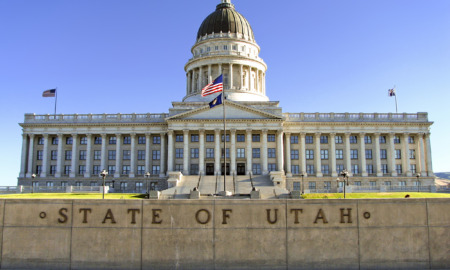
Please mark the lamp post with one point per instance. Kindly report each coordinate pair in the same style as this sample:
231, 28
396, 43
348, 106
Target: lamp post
303, 184
418, 183
32, 187
147, 175
103, 174
344, 175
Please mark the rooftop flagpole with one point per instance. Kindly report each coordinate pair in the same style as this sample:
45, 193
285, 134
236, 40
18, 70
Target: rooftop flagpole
224, 144
56, 98
392, 93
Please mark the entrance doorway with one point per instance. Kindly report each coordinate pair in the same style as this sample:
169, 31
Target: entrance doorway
228, 169
241, 169
209, 168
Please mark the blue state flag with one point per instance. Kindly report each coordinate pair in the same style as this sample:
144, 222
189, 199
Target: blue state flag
216, 101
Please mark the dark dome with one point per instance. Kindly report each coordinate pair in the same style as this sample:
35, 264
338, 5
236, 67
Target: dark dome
225, 19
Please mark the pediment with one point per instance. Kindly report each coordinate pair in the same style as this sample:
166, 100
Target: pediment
233, 111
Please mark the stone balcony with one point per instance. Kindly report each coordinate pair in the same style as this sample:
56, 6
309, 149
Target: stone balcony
420, 117
31, 118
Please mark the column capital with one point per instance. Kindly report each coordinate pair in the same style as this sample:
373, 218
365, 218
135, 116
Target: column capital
318, 134
186, 131
421, 133
132, 134
24, 136
233, 131
74, 135
347, 134
302, 134
391, 134
147, 134
217, 131
201, 131
103, 135
89, 135
264, 131
377, 134
287, 133
333, 134
60, 135
249, 130
45, 135
280, 131
406, 135
170, 132
163, 133
362, 134
428, 134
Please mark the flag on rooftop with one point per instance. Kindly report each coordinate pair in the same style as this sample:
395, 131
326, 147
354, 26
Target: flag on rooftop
216, 101
214, 87
49, 93
391, 92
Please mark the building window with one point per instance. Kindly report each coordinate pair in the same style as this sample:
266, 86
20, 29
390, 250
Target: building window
339, 168
126, 169
139, 186
68, 155
179, 152
323, 139
194, 152
271, 153
296, 186
272, 167
178, 167
256, 138
64, 183
271, 137
209, 138
126, 155
112, 140
83, 140
194, 169
410, 139
78, 184
240, 153
111, 169
354, 154
55, 140
194, 138
38, 169
338, 139
209, 152
402, 183
323, 154
309, 139
39, 154
339, 154
179, 138
228, 152
93, 184
367, 139
312, 185
69, 140
67, 169
412, 154
141, 140
82, 154
52, 169
256, 153
111, 154
383, 154
369, 168
309, 154
368, 153
384, 168
382, 139
355, 168
353, 139
81, 169
398, 168
216, 48
49, 184
325, 169
225, 47
294, 139
387, 183
140, 170
127, 140
40, 141
97, 140
156, 155
156, 139
295, 169
240, 137
96, 169
398, 154
412, 168
256, 168
123, 185
396, 139
327, 185
294, 154
228, 138
310, 169
97, 155
141, 155
155, 169
54, 155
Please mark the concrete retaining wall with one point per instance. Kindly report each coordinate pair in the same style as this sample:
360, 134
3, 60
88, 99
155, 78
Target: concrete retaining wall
239, 234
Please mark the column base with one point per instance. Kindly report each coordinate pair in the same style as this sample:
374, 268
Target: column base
22, 175
57, 175
116, 175
409, 174
45, 175
364, 174
187, 172
28, 175
394, 174
265, 172
132, 175
334, 174
72, 175
162, 175
319, 174
430, 174
423, 173
87, 175
379, 174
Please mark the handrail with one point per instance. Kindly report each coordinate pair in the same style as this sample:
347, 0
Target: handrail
174, 194
199, 178
251, 180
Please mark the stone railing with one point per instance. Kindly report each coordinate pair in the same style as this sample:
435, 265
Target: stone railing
221, 53
94, 118
356, 117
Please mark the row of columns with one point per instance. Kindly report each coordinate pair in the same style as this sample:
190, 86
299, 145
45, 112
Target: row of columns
362, 162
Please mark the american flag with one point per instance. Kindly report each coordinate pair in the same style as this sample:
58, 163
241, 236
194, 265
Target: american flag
391, 92
214, 87
49, 93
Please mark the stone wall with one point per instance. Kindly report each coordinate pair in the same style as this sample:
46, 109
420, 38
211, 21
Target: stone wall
207, 234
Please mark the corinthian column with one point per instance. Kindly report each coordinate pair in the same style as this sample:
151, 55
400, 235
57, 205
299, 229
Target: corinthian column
233, 151
429, 159
264, 152
248, 141
362, 154
405, 157
280, 154
45, 157
59, 159
333, 154
74, 163
30, 156
186, 151
318, 156
288, 154
23, 160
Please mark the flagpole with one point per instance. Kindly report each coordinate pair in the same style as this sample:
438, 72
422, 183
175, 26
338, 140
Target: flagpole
224, 144
56, 99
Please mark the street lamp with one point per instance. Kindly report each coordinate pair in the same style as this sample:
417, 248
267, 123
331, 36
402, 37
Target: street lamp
418, 183
103, 174
303, 183
147, 175
344, 175
32, 187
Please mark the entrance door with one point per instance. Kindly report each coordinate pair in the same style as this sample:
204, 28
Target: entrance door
209, 168
228, 169
241, 169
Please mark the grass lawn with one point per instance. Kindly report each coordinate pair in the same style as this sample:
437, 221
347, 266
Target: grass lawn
375, 195
109, 196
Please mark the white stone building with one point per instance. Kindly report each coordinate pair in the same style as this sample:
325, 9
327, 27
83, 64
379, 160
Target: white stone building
377, 149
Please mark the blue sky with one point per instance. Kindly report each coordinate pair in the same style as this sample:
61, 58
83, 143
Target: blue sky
110, 56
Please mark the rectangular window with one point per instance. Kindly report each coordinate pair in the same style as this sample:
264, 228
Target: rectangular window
69, 140
83, 140
178, 167
194, 152
367, 139
256, 168
93, 184
49, 184
357, 183
256, 153
39, 154
127, 140
228, 138
209, 137
123, 185
194, 169
384, 168
82, 154
396, 139
309, 154
40, 141
97, 155
398, 154
68, 155
368, 153
81, 169
383, 154
271, 137
240, 137
228, 152
412, 167
296, 186
312, 185
310, 169
209, 152
309, 139
295, 169
140, 170
179, 152
126, 154
141, 155
256, 138
55, 140
179, 138
271, 153
272, 167
338, 139
194, 138
67, 169
54, 155
412, 154
402, 183
240, 153
78, 184
339, 168
64, 183
96, 169
155, 169
97, 140
369, 168
156, 154
294, 139
325, 169
111, 154
355, 168
410, 139
339, 154
353, 139
139, 186
294, 154
141, 140
382, 139
327, 185
111, 169
112, 140
387, 183
398, 168
38, 169
156, 139
126, 169
323, 139
354, 154
324, 154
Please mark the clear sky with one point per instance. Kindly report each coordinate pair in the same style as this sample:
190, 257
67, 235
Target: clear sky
111, 56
